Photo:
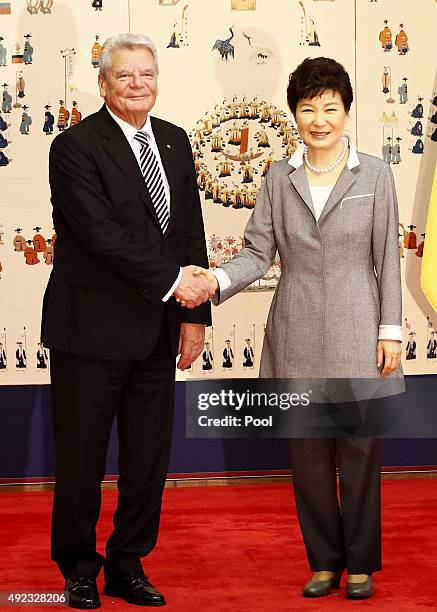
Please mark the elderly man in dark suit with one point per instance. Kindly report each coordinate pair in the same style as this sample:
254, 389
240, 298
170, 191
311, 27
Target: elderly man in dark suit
128, 221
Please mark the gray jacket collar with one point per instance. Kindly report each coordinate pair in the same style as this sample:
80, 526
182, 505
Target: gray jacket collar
344, 182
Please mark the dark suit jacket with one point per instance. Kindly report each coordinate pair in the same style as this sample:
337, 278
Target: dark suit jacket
112, 263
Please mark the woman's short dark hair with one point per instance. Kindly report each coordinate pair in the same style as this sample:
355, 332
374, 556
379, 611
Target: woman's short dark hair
316, 75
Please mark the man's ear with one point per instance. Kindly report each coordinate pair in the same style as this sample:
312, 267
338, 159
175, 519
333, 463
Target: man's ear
102, 87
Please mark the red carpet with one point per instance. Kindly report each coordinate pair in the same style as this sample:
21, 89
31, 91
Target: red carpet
237, 548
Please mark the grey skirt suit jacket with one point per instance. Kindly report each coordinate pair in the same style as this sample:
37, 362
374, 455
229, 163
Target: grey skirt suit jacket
340, 276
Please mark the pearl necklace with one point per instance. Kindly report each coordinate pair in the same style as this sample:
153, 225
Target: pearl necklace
330, 167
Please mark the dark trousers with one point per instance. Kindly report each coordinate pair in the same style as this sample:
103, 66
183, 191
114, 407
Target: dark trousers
87, 395
346, 534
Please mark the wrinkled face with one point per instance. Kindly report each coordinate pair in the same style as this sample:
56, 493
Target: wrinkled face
130, 85
320, 120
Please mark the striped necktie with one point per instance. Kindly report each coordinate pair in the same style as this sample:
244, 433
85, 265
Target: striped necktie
153, 179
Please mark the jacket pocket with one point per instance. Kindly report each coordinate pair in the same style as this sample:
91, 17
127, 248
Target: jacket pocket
351, 200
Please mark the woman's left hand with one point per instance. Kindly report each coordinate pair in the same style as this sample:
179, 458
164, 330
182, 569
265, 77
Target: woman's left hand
388, 354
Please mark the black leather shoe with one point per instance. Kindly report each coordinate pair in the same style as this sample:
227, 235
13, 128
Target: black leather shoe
82, 593
320, 588
135, 589
360, 590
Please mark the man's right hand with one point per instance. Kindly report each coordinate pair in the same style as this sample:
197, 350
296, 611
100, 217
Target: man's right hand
193, 289
212, 280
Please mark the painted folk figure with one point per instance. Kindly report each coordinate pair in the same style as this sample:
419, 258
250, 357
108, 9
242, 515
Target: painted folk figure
30, 255
3, 125
49, 253
19, 241
207, 358
228, 356
39, 242
63, 116
248, 355
20, 357
417, 112
96, 52
26, 121
42, 357
76, 115
403, 92
6, 99
411, 347
386, 37
401, 41
49, 121
431, 348
2, 52
28, 50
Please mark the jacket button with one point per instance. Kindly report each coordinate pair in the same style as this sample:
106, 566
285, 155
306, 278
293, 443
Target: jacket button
145, 292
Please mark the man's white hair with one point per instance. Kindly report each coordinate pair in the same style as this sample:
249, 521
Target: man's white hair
125, 41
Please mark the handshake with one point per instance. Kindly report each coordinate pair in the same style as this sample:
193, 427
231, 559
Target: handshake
196, 286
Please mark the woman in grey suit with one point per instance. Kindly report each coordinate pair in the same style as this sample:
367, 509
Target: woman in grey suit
331, 213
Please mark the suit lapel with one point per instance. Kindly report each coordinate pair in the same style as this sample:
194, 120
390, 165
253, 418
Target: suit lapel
341, 187
343, 184
164, 148
299, 179
121, 152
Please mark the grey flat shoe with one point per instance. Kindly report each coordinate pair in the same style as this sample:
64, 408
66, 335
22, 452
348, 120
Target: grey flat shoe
360, 590
321, 588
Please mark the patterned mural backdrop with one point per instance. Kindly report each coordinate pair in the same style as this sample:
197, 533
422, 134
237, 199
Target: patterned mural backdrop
224, 66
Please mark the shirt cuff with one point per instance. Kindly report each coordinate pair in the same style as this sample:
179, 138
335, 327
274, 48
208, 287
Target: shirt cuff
173, 287
222, 278
390, 332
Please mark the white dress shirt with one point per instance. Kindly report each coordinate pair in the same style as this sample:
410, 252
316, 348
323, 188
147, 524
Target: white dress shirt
319, 196
130, 131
